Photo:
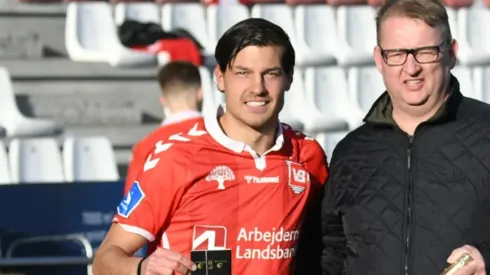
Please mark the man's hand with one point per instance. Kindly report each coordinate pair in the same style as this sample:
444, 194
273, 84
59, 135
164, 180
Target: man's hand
166, 262
475, 267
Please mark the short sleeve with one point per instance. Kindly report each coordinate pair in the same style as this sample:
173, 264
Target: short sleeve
153, 198
315, 161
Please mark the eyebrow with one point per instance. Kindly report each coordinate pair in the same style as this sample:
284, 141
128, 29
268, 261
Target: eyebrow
265, 71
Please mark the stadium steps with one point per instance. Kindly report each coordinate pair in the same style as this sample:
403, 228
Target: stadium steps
63, 68
90, 103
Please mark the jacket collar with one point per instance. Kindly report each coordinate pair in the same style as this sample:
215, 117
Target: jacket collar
382, 109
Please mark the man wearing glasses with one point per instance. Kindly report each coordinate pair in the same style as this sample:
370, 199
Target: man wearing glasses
409, 191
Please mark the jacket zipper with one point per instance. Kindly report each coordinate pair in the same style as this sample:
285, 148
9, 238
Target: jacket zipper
409, 205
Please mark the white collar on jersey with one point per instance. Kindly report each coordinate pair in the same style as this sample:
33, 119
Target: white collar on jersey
180, 116
215, 131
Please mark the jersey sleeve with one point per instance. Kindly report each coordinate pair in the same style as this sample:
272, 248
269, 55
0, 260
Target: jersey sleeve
148, 206
315, 161
136, 164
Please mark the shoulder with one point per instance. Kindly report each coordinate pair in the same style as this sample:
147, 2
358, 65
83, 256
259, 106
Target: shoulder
301, 141
308, 152
176, 147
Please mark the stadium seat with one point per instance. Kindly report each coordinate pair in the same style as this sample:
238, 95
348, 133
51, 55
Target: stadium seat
481, 83
12, 120
291, 112
209, 104
365, 86
89, 159
190, 17
457, 4
91, 36
465, 78
474, 46
145, 12
346, 2
282, 15
35, 160
4, 165
222, 17
357, 32
327, 89
304, 2
319, 40
329, 141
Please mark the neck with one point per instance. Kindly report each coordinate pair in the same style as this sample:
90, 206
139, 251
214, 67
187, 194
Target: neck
408, 118
259, 140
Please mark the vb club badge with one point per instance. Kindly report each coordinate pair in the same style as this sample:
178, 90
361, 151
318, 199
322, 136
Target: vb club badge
209, 251
299, 178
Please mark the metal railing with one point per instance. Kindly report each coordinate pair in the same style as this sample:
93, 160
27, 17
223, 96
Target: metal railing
10, 261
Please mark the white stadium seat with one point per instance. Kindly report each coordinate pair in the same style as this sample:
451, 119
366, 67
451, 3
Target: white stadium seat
357, 32
282, 15
209, 104
89, 159
145, 12
329, 141
91, 36
221, 17
12, 120
465, 79
365, 86
35, 160
4, 165
473, 25
190, 17
321, 41
327, 89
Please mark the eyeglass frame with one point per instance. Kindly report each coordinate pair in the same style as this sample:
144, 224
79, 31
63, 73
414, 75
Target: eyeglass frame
413, 52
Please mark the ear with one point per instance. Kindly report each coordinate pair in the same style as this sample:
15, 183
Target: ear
453, 53
199, 95
378, 58
219, 75
164, 101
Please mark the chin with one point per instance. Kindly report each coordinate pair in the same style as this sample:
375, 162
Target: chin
416, 99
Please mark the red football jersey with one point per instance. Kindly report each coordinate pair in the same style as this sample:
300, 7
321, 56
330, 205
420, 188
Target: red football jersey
142, 149
201, 190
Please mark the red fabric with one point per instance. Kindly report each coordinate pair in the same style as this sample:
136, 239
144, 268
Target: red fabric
194, 193
179, 49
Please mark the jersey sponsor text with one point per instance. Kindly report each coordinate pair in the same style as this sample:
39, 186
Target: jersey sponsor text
275, 240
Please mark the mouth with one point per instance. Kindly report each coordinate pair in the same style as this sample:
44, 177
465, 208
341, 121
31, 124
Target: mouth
256, 103
414, 82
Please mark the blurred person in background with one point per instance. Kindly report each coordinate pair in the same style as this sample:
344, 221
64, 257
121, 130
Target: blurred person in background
180, 85
241, 189
409, 191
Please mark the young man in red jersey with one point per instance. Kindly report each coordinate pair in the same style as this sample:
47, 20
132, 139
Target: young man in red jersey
240, 188
180, 85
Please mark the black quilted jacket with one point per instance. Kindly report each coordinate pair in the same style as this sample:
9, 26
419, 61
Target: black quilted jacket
398, 205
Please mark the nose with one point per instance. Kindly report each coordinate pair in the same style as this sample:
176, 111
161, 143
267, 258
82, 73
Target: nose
411, 66
259, 84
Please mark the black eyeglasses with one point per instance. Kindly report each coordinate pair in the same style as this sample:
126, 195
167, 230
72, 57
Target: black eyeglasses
423, 55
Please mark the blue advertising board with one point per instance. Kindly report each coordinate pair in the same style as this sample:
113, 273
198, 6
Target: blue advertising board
28, 210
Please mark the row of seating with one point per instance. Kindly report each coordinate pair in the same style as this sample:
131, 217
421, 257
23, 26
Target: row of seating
316, 102
38, 160
321, 34
374, 3
320, 96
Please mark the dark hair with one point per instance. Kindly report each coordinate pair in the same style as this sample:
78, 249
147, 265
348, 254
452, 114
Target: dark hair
178, 74
253, 32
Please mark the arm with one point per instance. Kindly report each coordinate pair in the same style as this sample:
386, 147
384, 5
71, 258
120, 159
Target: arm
332, 227
115, 255
309, 251
146, 208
